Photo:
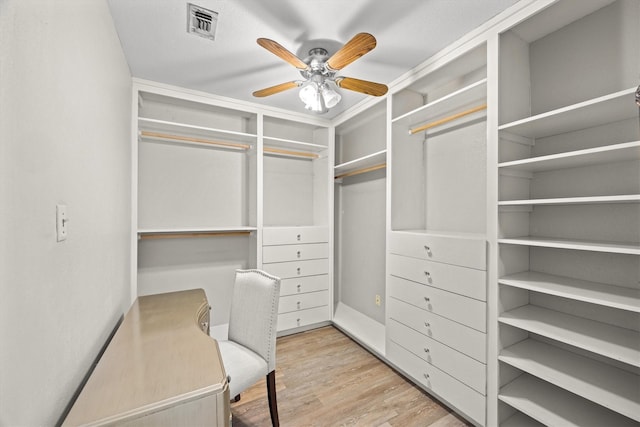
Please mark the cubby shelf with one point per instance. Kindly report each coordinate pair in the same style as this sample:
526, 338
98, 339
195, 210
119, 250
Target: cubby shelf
594, 112
369, 160
148, 124
607, 340
604, 384
580, 290
290, 144
579, 245
554, 406
624, 198
520, 420
473, 92
608, 154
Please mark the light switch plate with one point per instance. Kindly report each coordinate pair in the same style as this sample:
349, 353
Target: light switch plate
61, 222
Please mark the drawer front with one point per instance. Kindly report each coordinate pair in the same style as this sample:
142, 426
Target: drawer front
464, 251
452, 391
459, 337
460, 366
468, 311
294, 235
301, 285
287, 270
291, 303
460, 280
296, 319
283, 253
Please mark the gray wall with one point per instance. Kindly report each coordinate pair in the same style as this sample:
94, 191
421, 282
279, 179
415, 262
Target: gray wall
65, 105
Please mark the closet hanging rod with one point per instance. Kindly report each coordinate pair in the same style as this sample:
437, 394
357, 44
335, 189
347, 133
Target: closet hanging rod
183, 235
291, 152
235, 145
362, 170
447, 119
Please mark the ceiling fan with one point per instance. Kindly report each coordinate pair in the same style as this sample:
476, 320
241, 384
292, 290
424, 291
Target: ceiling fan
319, 73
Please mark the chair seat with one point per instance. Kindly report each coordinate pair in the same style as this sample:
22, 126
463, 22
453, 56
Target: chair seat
243, 366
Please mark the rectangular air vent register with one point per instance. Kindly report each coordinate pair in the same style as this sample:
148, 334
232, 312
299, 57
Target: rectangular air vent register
201, 22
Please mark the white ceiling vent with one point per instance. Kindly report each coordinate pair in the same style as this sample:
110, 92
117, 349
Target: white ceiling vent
201, 22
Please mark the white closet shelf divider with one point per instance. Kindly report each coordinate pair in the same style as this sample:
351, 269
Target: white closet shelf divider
624, 198
580, 290
599, 155
156, 125
594, 112
579, 245
473, 92
601, 338
598, 382
363, 162
554, 406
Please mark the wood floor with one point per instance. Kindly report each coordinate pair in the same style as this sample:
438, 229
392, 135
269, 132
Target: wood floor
325, 379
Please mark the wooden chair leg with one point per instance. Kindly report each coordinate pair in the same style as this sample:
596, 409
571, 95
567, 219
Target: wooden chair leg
273, 403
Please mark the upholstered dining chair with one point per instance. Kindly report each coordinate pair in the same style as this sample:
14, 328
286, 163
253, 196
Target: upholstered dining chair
250, 352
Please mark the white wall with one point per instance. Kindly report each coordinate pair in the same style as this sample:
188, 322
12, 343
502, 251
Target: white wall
64, 138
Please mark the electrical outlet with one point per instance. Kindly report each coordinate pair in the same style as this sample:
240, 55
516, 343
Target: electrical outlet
378, 301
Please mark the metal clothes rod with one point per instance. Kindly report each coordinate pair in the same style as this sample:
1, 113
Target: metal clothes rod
192, 139
290, 152
363, 170
447, 119
181, 235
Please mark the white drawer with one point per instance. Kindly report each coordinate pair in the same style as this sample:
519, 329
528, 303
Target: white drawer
445, 387
462, 338
460, 280
296, 319
286, 270
294, 235
301, 285
460, 366
458, 308
303, 301
294, 252
463, 250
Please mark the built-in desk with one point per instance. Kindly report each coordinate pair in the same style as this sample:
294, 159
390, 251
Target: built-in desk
161, 368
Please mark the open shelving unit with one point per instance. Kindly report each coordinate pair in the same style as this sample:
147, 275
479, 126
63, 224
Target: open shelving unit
568, 210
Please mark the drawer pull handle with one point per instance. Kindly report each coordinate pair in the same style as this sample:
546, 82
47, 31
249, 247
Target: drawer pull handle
298, 304
426, 376
299, 286
426, 350
298, 321
298, 270
427, 324
298, 254
427, 299
428, 249
298, 237
426, 273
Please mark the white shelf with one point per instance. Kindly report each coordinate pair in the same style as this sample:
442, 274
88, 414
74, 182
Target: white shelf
473, 92
603, 384
579, 245
520, 420
614, 342
362, 162
147, 124
362, 328
290, 144
624, 198
554, 406
594, 112
600, 155
580, 290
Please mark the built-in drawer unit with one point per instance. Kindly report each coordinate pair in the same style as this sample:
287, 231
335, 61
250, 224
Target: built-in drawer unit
460, 337
463, 250
294, 235
299, 256
460, 280
467, 311
458, 365
442, 385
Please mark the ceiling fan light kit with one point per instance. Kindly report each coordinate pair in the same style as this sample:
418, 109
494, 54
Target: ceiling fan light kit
319, 72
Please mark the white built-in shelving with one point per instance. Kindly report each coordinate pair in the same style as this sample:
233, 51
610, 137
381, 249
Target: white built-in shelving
578, 245
363, 163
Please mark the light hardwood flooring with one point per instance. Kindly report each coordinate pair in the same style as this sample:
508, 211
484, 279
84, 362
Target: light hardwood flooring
323, 378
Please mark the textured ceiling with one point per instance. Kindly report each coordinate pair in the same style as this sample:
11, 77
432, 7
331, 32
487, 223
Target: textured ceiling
157, 46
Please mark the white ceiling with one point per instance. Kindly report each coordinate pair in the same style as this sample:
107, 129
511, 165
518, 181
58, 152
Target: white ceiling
154, 37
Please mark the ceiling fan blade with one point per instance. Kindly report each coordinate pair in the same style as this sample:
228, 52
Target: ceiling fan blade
275, 89
278, 50
360, 44
362, 86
